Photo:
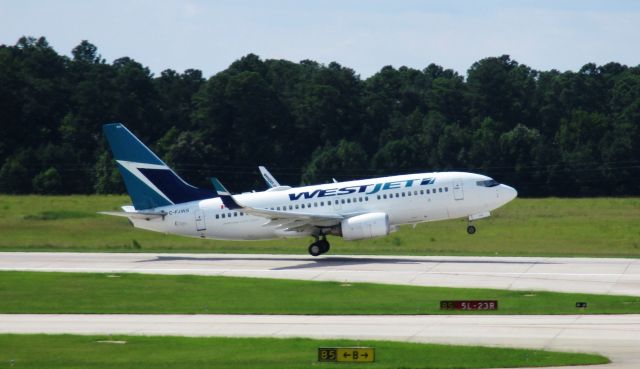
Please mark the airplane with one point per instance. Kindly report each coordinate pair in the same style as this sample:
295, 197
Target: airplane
353, 210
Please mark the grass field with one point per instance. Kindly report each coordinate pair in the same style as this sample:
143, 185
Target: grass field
568, 227
67, 351
548, 227
33, 292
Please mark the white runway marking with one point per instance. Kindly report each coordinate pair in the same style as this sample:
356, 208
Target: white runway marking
188, 270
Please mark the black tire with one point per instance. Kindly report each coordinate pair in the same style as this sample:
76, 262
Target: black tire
315, 249
471, 229
324, 246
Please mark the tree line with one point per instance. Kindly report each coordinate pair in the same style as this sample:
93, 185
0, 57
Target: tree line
547, 133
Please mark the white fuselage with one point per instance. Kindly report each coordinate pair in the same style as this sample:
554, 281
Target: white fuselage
406, 199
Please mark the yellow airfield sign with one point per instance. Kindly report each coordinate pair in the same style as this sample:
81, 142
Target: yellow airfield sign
347, 354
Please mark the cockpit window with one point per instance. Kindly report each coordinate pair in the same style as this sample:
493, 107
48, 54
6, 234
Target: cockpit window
488, 183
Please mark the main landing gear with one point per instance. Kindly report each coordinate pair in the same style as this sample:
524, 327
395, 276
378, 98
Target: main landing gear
319, 247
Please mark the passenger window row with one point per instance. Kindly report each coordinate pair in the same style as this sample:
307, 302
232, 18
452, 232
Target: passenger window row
321, 203
229, 215
341, 201
415, 193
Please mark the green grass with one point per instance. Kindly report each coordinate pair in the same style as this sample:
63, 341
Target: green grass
35, 292
524, 227
69, 351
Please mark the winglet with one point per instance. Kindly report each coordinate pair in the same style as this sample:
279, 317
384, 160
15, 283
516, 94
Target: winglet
225, 195
271, 181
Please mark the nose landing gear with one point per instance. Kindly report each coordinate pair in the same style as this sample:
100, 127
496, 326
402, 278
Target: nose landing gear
471, 229
321, 246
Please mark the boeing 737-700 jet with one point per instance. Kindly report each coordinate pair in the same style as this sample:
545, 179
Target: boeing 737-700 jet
354, 210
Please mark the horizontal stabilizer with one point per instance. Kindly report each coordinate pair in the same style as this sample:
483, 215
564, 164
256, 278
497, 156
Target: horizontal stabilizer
146, 215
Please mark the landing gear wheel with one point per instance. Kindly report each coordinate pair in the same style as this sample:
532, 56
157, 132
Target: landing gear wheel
324, 246
315, 249
471, 229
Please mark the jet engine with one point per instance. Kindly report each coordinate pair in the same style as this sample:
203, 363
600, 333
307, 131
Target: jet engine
365, 226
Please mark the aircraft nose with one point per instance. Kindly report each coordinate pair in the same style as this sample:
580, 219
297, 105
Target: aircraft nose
507, 193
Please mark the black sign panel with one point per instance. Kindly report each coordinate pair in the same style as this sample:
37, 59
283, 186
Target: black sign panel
469, 305
346, 354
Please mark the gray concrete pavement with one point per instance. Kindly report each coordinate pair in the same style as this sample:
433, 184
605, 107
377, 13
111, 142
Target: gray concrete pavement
588, 275
617, 337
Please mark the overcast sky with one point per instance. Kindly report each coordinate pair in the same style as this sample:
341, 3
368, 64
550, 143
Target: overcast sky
362, 34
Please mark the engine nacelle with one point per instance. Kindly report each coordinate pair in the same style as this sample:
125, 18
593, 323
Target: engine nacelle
365, 226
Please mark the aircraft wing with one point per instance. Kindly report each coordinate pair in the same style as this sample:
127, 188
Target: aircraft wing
285, 220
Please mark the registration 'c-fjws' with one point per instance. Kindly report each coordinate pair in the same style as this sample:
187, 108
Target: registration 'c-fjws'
354, 210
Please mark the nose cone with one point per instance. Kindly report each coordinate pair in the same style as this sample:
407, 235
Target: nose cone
507, 193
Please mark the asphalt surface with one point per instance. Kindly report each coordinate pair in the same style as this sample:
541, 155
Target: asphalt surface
587, 275
617, 337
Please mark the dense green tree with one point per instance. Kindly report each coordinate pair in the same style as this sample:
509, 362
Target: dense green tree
188, 153
344, 160
503, 90
545, 132
107, 178
484, 149
521, 146
397, 157
14, 177
48, 182
175, 94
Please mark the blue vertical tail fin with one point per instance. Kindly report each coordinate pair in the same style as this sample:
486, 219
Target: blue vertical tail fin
149, 181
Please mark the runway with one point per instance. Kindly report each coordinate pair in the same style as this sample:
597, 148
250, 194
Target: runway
587, 275
617, 337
